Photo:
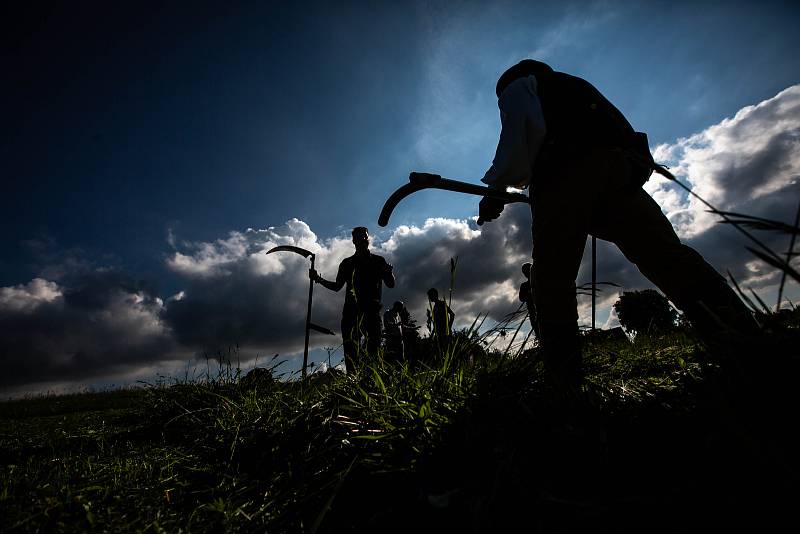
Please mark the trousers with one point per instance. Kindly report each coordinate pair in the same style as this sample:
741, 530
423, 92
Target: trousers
594, 194
358, 324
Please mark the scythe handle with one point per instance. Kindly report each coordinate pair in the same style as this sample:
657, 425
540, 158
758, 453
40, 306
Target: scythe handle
308, 319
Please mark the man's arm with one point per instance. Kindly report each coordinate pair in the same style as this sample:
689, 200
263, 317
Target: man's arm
333, 286
521, 135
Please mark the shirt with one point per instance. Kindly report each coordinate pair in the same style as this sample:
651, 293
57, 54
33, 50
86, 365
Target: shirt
521, 135
363, 274
441, 324
392, 323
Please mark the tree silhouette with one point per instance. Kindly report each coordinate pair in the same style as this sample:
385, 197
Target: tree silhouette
645, 311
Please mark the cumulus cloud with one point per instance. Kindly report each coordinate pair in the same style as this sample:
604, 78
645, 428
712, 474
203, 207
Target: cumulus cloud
237, 294
101, 324
734, 163
26, 298
749, 163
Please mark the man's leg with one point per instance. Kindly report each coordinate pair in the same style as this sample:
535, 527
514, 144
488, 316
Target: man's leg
559, 237
632, 220
372, 329
349, 340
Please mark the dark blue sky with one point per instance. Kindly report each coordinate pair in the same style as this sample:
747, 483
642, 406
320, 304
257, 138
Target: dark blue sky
121, 123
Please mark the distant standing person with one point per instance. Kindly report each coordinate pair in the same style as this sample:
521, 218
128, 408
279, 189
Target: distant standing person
364, 274
393, 332
526, 296
440, 317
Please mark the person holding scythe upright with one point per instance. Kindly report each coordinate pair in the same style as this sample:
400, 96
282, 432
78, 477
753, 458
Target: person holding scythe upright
585, 166
364, 274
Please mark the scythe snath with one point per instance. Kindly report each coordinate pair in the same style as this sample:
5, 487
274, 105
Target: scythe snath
309, 325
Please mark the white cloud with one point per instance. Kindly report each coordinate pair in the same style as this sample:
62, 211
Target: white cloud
26, 298
97, 324
752, 155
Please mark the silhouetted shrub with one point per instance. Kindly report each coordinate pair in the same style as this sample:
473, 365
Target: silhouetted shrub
646, 311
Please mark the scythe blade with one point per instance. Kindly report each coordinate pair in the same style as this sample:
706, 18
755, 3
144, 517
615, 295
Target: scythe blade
290, 248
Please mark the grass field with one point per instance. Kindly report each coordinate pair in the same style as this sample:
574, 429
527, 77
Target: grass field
665, 436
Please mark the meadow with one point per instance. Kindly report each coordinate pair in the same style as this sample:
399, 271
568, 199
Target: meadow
666, 434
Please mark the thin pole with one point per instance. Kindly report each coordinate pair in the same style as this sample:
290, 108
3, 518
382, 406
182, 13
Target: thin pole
308, 318
594, 278
788, 259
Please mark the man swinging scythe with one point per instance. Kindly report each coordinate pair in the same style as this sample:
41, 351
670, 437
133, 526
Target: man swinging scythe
309, 325
585, 166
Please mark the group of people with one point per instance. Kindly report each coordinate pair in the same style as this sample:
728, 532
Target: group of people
584, 166
400, 330
363, 275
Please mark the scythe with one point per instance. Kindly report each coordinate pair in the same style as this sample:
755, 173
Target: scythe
417, 181
309, 325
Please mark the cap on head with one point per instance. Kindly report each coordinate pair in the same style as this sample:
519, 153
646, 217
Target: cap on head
433, 294
524, 68
398, 305
526, 269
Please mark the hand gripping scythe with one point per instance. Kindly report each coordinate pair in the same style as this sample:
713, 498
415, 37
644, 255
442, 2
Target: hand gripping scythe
309, 325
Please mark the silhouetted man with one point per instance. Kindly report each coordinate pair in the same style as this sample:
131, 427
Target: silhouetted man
364, 274
393, 331
440, 317
526, 296
584, 166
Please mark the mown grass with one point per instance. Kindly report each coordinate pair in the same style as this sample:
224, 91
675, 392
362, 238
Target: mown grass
664, 436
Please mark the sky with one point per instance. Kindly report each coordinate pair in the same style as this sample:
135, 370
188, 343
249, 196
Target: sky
152, 153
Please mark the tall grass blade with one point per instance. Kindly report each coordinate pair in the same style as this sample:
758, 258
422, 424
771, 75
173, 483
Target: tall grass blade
742, 294
725, 215
524, 342
515, 333
759, 223
776, 262
789, 254
763, 304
